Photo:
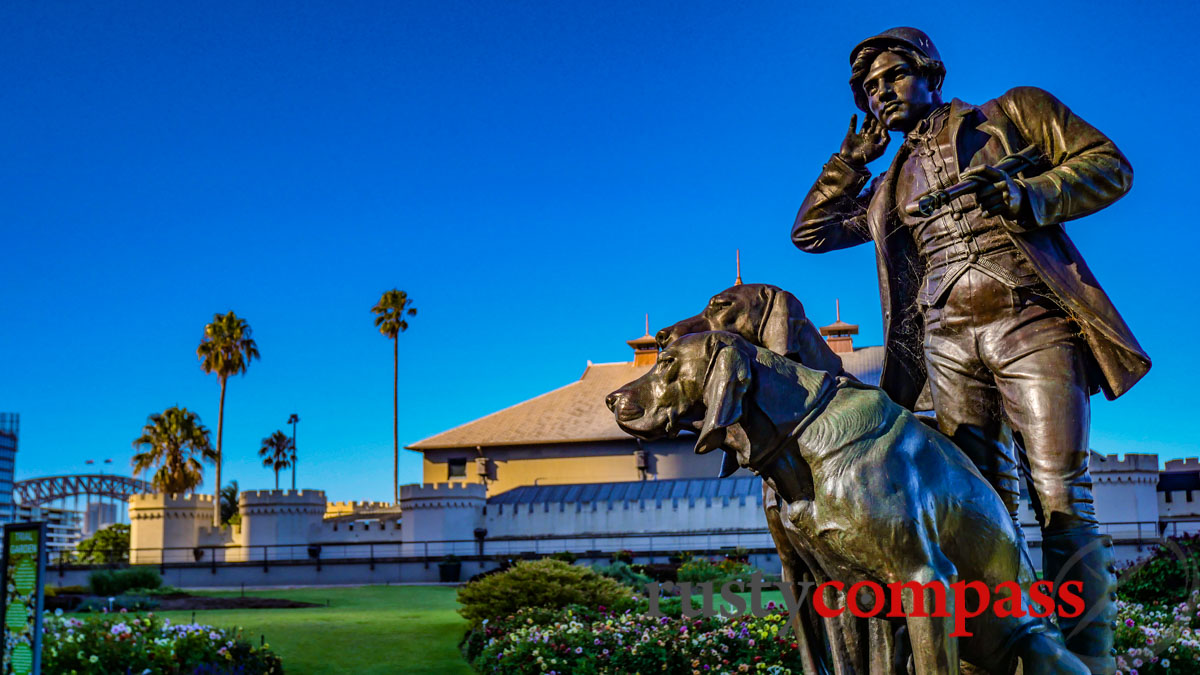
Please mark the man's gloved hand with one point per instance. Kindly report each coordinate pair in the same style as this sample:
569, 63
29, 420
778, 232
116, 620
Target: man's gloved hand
1001, 196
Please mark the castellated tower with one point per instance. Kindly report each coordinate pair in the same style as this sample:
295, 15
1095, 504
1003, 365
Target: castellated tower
1126, 493
168, 527
280, 517
441, 511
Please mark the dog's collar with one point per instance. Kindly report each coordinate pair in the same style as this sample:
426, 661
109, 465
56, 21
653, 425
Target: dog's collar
828, 389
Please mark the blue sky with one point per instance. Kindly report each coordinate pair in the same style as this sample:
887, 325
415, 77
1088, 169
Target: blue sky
537, 176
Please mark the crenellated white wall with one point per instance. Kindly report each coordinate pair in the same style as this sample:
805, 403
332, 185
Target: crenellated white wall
171, 526
280, 517
642, 516
1125, 490
367, 530
441, 511
288, 522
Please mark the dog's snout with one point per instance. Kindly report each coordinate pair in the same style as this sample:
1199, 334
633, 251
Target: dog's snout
624, 408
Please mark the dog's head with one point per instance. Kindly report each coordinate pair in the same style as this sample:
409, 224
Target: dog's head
766, 316
699, 383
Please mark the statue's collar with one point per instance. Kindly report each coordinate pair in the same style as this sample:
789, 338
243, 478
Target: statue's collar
931, 125
960, 108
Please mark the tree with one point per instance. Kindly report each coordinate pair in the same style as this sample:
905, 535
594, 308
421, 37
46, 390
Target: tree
225, 350
107, 545
276, 452
229, 503
176, 442
389, 319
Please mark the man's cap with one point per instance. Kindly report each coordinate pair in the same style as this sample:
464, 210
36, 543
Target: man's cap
909, 37
912, 38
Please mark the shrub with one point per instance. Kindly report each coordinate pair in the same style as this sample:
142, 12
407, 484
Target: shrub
539, 583
738, 554
624, 574
565, 556
699, 570
116, 582
127, 643
624, 556
1164, 577
103, 582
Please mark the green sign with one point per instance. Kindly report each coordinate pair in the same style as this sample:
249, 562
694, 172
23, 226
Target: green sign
23, 569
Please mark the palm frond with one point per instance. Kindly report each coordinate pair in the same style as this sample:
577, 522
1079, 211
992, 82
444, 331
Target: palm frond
177, 443
227, 348
390, 310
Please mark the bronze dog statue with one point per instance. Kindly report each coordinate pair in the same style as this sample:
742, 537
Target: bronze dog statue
770, 317
767, 316
874, 493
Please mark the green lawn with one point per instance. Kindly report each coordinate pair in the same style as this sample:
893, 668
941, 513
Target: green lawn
369, 630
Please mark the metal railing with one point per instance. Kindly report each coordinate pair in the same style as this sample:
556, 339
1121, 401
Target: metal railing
598, 545
587, 545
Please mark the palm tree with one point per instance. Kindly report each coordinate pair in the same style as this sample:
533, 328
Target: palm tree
226, 350
390, 313
276, 452
176, 442
229, 501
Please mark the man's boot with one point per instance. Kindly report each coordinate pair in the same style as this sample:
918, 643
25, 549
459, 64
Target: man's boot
1084, 555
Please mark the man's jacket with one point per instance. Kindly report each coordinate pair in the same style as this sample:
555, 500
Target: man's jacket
1085, 173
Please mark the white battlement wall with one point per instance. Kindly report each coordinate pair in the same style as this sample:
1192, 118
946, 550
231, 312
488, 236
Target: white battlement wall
441, 511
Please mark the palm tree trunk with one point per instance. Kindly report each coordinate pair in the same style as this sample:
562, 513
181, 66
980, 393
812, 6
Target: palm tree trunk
277, 479
220, 433
293, 456
396, 417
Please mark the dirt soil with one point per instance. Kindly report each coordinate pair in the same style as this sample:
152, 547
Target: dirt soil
184, 601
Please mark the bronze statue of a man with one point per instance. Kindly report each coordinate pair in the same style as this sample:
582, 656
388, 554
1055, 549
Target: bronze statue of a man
986, 301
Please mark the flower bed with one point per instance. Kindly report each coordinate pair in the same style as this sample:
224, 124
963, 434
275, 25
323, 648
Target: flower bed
1151, 640
148, 645
1158, 639
578, 641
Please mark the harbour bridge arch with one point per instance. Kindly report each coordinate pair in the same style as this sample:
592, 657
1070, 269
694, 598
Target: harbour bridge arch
39, 491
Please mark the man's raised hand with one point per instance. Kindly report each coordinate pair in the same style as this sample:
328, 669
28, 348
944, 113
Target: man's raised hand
865, 145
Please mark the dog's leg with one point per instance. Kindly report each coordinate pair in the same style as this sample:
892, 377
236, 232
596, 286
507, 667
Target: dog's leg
934, 651
794, 569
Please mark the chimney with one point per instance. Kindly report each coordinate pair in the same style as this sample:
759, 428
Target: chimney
838, 333
645, 349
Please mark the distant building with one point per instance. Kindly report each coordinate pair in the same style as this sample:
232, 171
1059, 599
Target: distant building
569, 436
10, 424
98, 516
63, 527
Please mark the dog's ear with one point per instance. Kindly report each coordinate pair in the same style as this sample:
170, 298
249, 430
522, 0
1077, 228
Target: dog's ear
787, 331
724, 388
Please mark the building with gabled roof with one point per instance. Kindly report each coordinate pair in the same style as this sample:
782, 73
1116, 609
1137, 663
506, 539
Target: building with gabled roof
569, 435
